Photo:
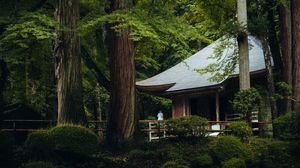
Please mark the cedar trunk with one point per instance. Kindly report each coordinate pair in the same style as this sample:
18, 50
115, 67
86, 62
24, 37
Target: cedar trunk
296, 51
286, 48
68, 64
270, 79
122, 118
243, 46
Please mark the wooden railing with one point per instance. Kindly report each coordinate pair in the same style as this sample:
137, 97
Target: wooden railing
154, 128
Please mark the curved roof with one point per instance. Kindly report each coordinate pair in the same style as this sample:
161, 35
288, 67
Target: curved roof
183, 75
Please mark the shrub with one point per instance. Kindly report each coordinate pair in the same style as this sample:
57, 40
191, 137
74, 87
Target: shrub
202, 161
283, 90
140, 158
259, 147
246, 100
74, 139
284, 126
39, 144
228, 147
234, 163
270, 153
6, 147
296, 123
277, 155
40, 164
194, 126
240, 129
174, 164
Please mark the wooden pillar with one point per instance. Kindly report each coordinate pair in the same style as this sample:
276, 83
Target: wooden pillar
217, 106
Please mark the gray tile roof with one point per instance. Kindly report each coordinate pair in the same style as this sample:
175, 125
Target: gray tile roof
185, 77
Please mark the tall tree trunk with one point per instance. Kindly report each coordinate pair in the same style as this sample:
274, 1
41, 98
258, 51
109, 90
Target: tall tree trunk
3, 78
243, 46
295, 6
273, 39
122, 118
270, 79
98, 113
68, 64
286, 48
268, 64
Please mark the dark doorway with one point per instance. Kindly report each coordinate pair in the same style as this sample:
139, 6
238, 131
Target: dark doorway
204, 107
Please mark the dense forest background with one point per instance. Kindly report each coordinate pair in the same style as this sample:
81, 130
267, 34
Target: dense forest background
74, 61
164, 33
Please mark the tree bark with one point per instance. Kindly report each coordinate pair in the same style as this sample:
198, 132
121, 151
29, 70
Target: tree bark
122, 118
270, 79
68, 64
295, 6
242, 39
272, 38
98, 113
3, 77
286, 48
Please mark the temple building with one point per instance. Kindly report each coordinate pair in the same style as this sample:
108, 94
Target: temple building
193, 93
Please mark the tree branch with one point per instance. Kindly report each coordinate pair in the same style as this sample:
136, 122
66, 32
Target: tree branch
89, 62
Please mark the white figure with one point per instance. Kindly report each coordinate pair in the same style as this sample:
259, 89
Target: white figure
160, 116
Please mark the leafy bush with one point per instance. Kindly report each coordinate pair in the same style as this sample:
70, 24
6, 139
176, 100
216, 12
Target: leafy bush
169, 151
270, 153
259, 147
74, 139
277, 155
174, 164
140, 158
240, 129
283, 90
202, 161
40, 164
6, 147
297, 123
228, 147
234, 163
284, 126
246, 100
193, 126
39, 144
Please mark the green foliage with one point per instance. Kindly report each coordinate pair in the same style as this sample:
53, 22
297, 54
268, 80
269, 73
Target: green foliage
271, 153
234, 163
193, 126
202, 161
284, 126
140, 158
40, 164
39, 145
32, 27
283, 90
170, 152
174, 164
240, 129
74, 139
6, 146
246, 100
150, 105
224, 64
278, 155
297, 123
228, 147
259, 147
26, 47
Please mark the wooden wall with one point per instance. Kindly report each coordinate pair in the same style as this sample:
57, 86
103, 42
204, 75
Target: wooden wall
180, 107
